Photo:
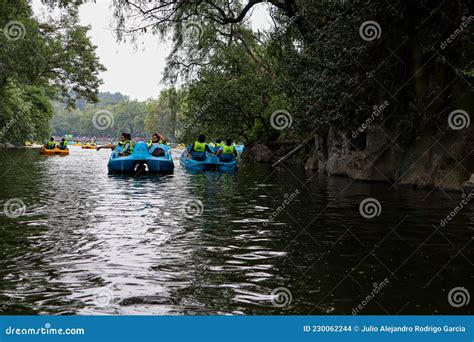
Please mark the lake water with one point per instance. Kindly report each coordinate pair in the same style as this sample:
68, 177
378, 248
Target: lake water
92, 243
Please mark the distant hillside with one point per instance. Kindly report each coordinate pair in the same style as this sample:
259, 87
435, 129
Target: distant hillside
113, 114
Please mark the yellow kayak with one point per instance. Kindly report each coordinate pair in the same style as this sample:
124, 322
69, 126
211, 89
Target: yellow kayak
54, 151
76, 144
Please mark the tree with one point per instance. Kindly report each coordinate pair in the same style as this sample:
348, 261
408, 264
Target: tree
123, 115
39, 61
163, 114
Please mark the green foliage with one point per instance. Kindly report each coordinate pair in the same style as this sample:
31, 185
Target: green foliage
163, 114
315, 64
38, 61
25, 112
128, 116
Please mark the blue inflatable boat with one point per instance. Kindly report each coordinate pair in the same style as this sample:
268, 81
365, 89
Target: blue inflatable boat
141, 159
211, 163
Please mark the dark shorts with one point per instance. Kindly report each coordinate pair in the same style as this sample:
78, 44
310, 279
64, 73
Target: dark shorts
158, 152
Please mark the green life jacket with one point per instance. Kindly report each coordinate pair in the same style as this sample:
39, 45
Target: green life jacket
199, 147
123, 143
51, 144
227, 149
218, 145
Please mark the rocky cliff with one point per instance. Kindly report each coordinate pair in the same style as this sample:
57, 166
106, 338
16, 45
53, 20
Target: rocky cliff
443, 158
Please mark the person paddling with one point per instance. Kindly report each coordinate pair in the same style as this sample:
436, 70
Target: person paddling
50, 144
153, 145
162, 139
227, 152
217, 145
63, 144
156, 139
125, 144
197, 151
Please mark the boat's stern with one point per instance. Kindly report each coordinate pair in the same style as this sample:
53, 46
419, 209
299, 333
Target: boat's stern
141, 161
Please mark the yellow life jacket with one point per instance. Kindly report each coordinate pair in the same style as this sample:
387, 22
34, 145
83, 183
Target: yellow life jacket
123, 143
227, 149
199, 147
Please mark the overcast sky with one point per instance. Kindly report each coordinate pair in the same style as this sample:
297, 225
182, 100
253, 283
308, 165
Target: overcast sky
134, 71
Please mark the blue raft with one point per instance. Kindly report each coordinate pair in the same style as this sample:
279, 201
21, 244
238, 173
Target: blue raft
211, 163
141, 159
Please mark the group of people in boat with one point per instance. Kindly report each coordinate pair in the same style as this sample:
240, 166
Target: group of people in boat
225, 151
126, 145
51, 144
197, 151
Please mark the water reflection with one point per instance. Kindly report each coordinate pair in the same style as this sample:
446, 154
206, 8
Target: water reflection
93, 243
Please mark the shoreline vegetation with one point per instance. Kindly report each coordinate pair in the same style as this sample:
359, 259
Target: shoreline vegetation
314, 79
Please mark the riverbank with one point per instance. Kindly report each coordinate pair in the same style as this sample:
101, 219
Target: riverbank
441, 159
